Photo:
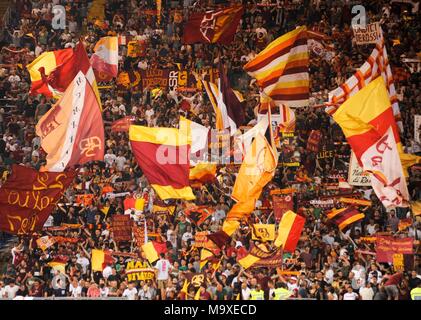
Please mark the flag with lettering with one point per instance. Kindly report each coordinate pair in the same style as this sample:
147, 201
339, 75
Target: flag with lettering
72, 132
368, 124
28, 197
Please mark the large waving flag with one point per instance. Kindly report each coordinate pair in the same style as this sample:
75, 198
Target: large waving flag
344, 217
105, 57
163, 155
376, 65
217, 26
289, 231
72, 132
28, 197
369, 125
281, 69
61, 72
41, 68
257, 169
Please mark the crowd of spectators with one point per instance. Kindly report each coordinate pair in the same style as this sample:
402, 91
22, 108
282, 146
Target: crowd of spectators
329, 264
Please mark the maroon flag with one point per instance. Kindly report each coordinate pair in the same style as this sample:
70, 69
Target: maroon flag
282, 203
235, 107
218, 26
28, 197
121, 226
220, 238
314, 141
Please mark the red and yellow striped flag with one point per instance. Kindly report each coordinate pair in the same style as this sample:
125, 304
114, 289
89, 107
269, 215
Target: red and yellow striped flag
289, 231
163, 155
281, 69
345, 216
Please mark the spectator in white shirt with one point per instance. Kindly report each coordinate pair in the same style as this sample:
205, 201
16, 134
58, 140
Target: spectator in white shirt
350, 295
109, 158
75, 289
10, 290
130, 292
366, 292
245, 291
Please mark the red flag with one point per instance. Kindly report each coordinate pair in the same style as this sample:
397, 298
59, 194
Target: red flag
123, 124
64, 74
218, 26
28, 197
160, 247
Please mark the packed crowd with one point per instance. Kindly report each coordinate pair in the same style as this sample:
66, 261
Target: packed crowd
329, 264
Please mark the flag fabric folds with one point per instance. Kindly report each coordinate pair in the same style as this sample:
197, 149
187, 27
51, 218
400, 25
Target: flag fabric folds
198, 214
243, 142
41, 68
289, 231
163, 156
205, 256
100, 259
150, 252
281, 69
133, 203
21, 211
215, 97
105, 57
227, 104
259, 256
368, 124
220, 238
344, 217
376, 65
216, 26
257, 169
197, 134
203, 172
416, 208
72, 132
232, 99
62, 74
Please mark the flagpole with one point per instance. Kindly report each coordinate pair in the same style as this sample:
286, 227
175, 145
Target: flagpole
349, 238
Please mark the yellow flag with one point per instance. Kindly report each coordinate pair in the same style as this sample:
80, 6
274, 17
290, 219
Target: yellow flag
263, 232
230, 226
97, 259
150, 252
248, 261
204, 256
257, 169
